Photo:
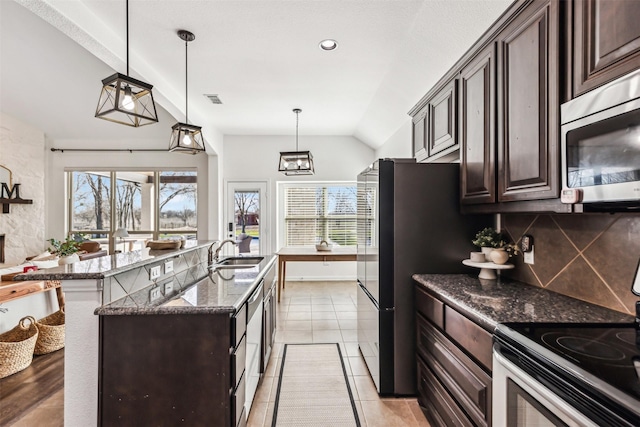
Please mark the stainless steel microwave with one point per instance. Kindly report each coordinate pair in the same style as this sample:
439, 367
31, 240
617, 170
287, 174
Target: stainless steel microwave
600, 136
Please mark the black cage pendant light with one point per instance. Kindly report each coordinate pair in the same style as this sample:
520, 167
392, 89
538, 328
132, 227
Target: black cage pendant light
186, 138
126, 100
296, 162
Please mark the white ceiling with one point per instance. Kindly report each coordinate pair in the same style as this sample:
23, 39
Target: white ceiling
261, 57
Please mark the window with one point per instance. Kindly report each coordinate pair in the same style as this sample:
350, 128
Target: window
101, 202
319, 211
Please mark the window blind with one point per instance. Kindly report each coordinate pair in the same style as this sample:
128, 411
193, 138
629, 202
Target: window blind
320, 212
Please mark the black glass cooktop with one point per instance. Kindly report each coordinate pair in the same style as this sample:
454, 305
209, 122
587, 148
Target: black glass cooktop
602, 361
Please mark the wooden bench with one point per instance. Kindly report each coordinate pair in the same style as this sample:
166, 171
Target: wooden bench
11, 290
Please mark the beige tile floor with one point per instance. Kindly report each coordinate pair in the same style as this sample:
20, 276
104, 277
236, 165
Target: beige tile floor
322, 312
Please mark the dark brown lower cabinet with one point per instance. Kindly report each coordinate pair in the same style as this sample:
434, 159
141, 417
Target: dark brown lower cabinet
174, 369
454, 365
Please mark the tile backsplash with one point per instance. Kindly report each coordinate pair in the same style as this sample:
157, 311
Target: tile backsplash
591, 257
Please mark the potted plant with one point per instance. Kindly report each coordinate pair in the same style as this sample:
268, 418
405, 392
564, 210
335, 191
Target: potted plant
67, 250
487, 239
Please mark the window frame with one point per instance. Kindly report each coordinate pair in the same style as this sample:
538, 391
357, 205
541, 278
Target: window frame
155, 233
281, 200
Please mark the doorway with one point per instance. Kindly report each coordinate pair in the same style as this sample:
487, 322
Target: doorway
246, 216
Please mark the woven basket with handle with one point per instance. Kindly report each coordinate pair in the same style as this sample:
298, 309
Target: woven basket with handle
16, 347
51, 333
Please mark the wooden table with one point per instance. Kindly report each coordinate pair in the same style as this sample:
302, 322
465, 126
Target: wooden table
309, 255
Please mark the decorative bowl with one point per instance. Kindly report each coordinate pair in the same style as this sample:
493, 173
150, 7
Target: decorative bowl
323, 246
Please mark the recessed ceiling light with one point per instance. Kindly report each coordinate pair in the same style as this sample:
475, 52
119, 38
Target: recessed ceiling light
328, 44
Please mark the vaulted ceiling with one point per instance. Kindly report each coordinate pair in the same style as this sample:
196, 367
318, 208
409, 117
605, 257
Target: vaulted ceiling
260, 57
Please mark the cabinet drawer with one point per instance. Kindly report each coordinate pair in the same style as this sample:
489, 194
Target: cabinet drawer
471, 337
442, 410
238, 361
430, 307
237, 402
238, 326
469, 385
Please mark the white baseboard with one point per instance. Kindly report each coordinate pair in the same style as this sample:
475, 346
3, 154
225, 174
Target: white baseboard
320, 278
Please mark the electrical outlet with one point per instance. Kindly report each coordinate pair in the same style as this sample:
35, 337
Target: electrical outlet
154, 272
168, 288
155, 294
528, 256
168, 267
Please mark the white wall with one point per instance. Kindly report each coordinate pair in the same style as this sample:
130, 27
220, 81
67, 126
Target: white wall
22, 151
336, 158
399, 144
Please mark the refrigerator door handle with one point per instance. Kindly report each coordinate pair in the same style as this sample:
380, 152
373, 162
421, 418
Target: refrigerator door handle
368, 294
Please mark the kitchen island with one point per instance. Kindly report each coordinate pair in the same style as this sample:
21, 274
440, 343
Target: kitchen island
456, 315
135, 284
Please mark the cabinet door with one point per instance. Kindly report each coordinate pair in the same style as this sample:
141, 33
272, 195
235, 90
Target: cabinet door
442, 120
528, 105
606, 41
419, 135
477, 129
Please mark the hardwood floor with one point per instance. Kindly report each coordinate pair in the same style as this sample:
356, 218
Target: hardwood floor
34, 397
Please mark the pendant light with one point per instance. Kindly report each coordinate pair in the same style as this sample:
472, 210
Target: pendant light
186, 138
296, 162
126, 100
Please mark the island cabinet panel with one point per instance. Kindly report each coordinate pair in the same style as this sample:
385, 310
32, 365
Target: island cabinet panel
606, 43
528, 105
165, 370
477, 129
453, 356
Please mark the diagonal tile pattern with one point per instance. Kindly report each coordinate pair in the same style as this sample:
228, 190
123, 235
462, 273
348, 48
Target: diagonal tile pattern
322, 312
591, 257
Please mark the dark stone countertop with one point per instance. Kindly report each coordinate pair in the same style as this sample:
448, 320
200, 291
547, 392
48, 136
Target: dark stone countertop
220, 292
503, 300
109, 265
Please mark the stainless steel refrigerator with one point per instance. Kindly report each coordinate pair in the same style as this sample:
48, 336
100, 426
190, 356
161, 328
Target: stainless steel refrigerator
409, 222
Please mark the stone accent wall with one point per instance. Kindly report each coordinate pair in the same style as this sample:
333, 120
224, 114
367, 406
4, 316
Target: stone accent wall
591, 257
22, 150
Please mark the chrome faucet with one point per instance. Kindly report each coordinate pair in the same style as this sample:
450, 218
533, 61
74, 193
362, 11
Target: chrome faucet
217, 253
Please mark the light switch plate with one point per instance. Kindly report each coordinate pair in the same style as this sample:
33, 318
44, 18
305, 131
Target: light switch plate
154, 272
528, 256
168, 267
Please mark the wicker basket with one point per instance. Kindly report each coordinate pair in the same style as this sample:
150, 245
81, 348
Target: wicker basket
51, 336
16, 347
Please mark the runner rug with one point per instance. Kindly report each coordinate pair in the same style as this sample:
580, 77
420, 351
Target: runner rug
313, 389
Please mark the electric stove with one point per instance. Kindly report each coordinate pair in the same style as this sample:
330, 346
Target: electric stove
594, 368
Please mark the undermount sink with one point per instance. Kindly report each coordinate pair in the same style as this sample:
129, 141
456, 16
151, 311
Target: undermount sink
239, 262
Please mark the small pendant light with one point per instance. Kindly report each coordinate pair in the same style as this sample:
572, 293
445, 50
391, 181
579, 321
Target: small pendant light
126, 100
186, 138
296, 162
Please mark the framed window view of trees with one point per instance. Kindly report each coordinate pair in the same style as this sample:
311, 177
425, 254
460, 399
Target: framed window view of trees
148, 204
319, 211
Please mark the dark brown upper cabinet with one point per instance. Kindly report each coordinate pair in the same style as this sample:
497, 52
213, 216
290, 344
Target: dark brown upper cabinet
529, 105
442, 115
476, 133
435, 125
419, 136
606, 41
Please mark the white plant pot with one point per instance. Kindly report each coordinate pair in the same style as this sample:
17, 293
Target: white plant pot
499, 256
487, 253
69, 259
